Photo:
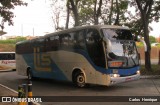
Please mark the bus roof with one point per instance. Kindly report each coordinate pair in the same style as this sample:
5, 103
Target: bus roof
84, 27
75, 29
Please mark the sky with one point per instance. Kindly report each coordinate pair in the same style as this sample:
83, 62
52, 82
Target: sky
36, 20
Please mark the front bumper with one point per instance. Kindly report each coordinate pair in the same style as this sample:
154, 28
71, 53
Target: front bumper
115, 80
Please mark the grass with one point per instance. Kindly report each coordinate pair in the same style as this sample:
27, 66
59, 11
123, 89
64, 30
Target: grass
9, 44
155, 70
12, 41
7, 47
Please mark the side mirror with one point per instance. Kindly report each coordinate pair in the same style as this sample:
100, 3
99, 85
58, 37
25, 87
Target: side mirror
144, 43
137, 38
109, 44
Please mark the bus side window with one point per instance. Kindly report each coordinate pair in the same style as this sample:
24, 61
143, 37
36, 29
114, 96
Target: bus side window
71, 39
80, 39
64, 41
89, 38
53, 43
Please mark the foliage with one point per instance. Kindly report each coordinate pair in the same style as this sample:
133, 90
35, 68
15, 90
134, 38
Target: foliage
158, 46
152, 39
12, 41
146, 11
134, 20
6, 13
116, 12
2, 33
86, 12
98, 11
139, 44
155, 70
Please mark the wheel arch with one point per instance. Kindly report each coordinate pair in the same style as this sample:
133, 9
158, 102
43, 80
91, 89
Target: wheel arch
80, 70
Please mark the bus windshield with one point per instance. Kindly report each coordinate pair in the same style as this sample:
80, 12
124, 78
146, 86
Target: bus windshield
121, 49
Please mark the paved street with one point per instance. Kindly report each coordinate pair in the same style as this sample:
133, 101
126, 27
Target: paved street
42, 87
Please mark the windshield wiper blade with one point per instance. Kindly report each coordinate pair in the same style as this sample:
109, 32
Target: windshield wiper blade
133, 61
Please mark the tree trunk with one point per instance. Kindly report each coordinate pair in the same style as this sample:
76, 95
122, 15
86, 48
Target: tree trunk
146, 39
117, 17
97, 12
75, 12
145, 10
110, 15
67, 20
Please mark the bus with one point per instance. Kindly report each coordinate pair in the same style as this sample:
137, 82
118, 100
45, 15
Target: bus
97, 54
7, 61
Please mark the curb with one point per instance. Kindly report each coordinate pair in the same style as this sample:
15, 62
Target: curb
9, 88
150, 77
8, 70
16, 92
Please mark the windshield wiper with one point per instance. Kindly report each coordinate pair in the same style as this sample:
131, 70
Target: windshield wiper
133, 61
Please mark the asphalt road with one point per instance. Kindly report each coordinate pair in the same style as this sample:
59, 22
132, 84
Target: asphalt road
43, 87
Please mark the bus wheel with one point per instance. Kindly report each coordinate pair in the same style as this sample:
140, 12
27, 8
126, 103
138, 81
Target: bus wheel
80, 80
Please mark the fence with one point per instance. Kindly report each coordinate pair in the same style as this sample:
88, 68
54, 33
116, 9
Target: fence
154, 53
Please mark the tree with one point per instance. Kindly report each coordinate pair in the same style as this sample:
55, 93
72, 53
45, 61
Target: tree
87, 12
68, 13
74, 5
6, 14
58, 11
2, 33
152, 39
113, 12
146, 12
97, 11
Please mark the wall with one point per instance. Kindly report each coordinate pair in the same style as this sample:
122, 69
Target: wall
154, 53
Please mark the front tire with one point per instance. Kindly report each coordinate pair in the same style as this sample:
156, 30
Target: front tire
79, 80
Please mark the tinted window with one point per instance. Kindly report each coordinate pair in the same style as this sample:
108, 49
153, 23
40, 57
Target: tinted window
95, 47
80, 40
52, 43
7, 56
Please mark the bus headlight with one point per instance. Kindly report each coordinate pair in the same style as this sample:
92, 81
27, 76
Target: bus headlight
138, 72
115, 75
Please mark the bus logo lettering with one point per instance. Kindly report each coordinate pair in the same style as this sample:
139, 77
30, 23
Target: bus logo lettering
42, 62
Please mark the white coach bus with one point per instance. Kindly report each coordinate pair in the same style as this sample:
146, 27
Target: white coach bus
98, 54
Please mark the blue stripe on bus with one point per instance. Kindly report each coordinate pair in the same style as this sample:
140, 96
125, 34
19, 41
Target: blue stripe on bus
55, 72
129, 71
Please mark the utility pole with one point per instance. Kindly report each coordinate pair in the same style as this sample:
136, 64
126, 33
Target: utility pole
22, 29
33, 31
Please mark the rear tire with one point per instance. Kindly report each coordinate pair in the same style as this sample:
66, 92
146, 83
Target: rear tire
79, 80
